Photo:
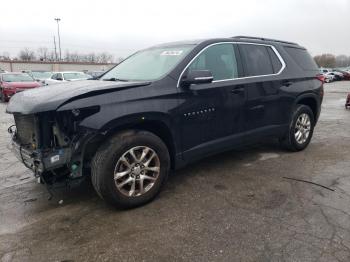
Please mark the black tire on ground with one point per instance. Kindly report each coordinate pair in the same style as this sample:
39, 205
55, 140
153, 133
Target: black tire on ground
107, 156
289, 141
2, 97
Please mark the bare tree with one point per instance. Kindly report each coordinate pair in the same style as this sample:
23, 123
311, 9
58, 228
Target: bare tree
75, 57
105, 57
43, 53
91, 57
325, 60
51, 56
67, 57
342, 61
27, 54
119, 60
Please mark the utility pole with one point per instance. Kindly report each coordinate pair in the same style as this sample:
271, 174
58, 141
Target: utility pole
54, 42
59, 37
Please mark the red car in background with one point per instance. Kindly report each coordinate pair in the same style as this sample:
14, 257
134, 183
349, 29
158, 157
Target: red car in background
12, 83
346, 74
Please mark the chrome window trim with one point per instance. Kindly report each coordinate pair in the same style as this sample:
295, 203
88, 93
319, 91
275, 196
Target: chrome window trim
203, 78
238, 78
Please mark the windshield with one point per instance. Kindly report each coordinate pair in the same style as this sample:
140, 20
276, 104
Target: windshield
75, 75
42, 75
149, 64
17, 78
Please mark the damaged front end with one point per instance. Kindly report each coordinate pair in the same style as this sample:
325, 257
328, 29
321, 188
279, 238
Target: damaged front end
53, 144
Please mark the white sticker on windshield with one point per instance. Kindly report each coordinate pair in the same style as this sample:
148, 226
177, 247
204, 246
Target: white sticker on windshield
55, 158
172, 52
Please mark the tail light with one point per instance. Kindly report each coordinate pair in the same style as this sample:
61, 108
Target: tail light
321, 78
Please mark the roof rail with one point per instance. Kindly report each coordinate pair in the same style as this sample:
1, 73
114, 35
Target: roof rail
264, 39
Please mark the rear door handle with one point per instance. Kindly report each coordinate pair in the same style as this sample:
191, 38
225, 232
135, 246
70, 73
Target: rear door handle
237, 90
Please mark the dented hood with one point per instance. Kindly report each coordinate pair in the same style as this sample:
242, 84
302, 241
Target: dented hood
48, 98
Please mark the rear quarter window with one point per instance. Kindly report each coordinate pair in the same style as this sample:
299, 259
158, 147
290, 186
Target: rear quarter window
302, 58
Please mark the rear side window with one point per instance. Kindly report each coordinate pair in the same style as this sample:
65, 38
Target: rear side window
219, 59
256, 60
302, 58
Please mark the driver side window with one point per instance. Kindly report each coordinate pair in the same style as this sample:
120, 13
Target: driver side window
220, 59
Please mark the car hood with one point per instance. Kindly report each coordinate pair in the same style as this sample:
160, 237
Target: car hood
51, 97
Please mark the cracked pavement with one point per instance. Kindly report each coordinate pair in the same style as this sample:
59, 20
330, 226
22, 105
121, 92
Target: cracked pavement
234, 206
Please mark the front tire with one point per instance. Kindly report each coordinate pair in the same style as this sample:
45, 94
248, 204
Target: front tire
300, 130
130, 168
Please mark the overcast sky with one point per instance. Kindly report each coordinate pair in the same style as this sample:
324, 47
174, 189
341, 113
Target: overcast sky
122, 27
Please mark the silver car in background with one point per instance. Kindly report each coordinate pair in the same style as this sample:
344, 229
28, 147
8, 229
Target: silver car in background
66, 76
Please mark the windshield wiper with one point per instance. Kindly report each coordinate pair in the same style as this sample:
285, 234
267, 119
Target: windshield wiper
115, 79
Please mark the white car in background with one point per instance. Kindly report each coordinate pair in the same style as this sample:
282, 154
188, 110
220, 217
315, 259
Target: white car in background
328, 77
327, 73
61, 77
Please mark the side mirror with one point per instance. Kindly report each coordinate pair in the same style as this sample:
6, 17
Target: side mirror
197, 77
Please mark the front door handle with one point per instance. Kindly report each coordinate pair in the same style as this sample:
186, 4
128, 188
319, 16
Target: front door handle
237, 90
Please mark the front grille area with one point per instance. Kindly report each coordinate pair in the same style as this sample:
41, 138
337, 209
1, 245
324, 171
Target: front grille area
26, 129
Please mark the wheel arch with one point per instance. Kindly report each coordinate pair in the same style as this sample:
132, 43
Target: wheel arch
311, 101
158, 124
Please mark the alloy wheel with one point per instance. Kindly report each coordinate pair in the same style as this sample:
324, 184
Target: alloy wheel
302, 128
136, 171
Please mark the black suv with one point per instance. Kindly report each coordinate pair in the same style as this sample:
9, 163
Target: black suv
164, 107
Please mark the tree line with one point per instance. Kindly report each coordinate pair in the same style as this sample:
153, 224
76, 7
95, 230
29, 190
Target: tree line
332, 61
45, 54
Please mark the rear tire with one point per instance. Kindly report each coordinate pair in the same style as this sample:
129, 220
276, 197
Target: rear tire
139, 157
300, 130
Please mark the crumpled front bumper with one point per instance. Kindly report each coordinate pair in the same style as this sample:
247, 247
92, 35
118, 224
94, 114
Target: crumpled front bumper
41, 161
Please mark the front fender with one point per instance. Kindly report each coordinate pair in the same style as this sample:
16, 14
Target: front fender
137, 119
113, 115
